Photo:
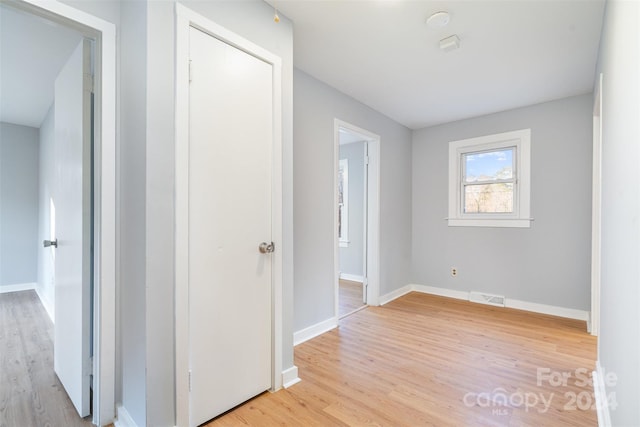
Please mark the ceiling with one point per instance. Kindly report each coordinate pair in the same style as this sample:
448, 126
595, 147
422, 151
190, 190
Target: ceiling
512, 53
32, 52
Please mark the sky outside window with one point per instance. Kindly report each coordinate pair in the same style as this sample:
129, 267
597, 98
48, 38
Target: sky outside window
489, 165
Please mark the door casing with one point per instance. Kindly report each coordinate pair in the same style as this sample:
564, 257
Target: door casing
186, 18
596, 213
372, 209
104, 275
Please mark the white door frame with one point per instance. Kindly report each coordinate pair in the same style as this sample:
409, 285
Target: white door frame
365, 222
104, 35
372, 232
186, 18
596, 211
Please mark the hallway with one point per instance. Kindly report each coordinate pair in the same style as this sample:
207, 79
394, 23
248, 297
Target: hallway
30, 392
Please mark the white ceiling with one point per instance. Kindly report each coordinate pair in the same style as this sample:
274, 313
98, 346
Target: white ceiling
32, 52
513, 53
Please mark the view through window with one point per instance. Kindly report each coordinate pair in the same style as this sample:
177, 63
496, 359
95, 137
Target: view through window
488, 184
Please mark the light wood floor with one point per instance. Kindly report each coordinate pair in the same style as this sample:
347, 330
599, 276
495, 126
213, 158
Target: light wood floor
30, 393
349, 297
423, 360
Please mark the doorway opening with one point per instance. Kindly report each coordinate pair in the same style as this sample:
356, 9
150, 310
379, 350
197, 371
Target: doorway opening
356, 218
94, 202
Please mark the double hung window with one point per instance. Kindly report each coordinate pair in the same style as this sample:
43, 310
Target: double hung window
489, 180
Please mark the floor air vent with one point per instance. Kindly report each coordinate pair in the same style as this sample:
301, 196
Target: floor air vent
497, 300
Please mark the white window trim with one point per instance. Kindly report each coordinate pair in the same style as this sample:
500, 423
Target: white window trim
343, 239
521, 217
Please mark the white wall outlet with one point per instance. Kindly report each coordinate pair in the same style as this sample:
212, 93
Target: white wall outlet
454, 271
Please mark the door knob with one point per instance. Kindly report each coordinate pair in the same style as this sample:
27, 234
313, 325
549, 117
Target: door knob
266, 248
48, 243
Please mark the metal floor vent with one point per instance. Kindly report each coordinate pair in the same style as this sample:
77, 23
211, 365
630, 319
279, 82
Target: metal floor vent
482, 298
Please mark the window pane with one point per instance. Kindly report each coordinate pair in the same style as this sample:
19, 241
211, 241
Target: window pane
489, 165
488, 198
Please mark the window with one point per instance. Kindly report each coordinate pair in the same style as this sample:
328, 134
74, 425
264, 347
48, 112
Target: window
343, 203
489, 179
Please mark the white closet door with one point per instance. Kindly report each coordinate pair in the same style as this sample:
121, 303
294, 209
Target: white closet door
230, 158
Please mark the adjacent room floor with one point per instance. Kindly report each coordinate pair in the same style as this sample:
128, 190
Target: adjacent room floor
350, 297
30, 392
427, 360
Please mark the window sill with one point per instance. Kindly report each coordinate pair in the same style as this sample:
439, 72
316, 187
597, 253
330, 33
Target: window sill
498, 223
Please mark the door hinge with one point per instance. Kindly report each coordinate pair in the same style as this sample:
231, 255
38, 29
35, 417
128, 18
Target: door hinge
189, 380
89, 368
366, 160
88, 83
190, 71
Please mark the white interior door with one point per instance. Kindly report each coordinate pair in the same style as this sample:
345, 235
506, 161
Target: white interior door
72, 200
229, 198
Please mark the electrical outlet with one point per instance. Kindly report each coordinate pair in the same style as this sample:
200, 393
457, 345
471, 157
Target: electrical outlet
454, 271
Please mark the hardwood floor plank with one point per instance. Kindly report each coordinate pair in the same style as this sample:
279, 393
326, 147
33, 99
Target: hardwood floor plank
30, 392
427, 360
350, 297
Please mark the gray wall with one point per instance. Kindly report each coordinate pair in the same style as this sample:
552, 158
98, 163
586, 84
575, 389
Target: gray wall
132, 249
316, 107
19, 146
351, 257
46, 285
159, 215
548, 263
619, 340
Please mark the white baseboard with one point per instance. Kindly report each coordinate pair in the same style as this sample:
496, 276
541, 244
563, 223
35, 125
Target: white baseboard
432, 290
600, 394
442, 292
17, 287
47, 305
290, 377
352, 277
395, 294
569, 313
314, 330
123, 419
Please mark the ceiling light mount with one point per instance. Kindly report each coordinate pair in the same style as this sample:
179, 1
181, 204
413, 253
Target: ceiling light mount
439, 19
